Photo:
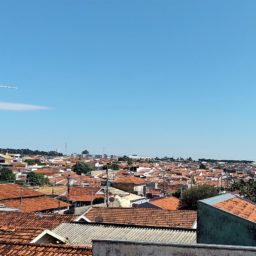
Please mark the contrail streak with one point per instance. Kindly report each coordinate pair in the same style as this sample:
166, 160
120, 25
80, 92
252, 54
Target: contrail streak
8, 87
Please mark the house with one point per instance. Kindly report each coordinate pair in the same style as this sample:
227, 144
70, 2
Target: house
5, 158
81, 196
2, 159
130, 184
120, 198
167, 203
227, 219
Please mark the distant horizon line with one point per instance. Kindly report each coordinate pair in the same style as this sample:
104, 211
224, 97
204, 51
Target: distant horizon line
128, 155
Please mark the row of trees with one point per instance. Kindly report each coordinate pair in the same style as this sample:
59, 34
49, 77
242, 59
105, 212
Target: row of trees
26, 151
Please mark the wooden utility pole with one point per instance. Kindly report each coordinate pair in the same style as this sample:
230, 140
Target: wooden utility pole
107, 188
21, 199
69, 178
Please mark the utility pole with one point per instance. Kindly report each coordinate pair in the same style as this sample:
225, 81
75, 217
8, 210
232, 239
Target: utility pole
69, 178
107, 199
21, 199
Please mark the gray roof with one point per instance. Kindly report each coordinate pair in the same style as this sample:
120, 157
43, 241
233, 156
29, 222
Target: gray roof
217, 199
83, 234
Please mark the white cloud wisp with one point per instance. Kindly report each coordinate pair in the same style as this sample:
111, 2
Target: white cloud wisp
9, 106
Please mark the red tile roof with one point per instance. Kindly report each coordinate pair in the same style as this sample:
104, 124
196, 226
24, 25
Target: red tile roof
18, 164
24, 249
30, 220
35, 204
143, 217
239, 207
84, 194
129, 180
23, 235
168, 203
12, 191
48, 172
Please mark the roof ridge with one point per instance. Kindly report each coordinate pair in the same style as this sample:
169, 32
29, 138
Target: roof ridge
47, 245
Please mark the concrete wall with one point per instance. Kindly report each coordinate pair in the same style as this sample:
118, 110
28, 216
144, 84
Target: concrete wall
117, 248
218, 227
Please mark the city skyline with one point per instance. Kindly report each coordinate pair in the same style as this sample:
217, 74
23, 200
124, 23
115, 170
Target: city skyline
153, 78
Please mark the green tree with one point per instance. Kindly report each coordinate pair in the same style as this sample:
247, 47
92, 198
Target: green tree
192, 195
177, 194
202, 166
247, 189
115, 166
6, 176
85, 152
129, 161
33, 162
36, 179
81, 168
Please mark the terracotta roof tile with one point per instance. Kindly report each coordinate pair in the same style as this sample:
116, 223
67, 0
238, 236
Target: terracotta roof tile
12, 191
22, 249
84, 194
129, 180
239, 207
168, 203
47, 172
23, 235
30, 220
35, 204
143, 217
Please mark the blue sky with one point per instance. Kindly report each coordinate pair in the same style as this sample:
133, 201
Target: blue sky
148, 77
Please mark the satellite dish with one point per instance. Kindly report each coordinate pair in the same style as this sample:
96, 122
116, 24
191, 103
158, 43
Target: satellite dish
98, 219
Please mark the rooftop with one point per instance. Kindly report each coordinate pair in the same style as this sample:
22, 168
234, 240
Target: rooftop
28, 220
13, 191
23, 235
143, 217
239, 207
234, 205
168, 203
76, 234
22, 249
129, 180
36, 204
84, 194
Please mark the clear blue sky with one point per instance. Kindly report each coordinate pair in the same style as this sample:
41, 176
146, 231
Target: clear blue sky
148, 77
